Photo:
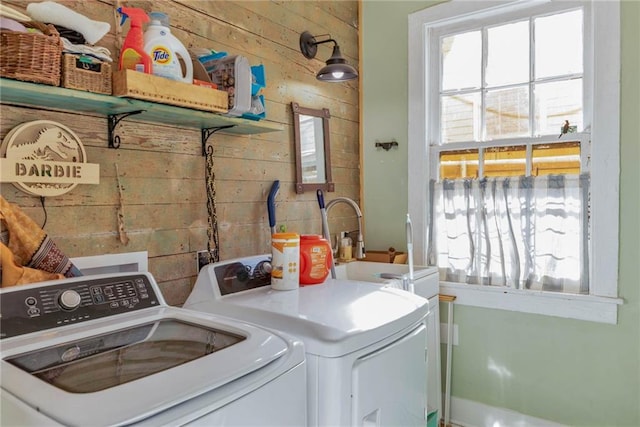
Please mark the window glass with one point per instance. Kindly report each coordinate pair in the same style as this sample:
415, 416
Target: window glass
553, 159
119, 357
461, 60
507, 112
558, 44
508, 54
556, 102
461, 117
459, 164
505, 161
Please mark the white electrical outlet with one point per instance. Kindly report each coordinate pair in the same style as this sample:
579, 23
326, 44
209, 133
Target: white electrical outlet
443, 333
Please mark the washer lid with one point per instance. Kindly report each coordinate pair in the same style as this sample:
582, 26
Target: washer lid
136, 368
333, 318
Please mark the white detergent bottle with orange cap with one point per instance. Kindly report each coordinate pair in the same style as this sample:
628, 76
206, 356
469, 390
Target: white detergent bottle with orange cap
166, 51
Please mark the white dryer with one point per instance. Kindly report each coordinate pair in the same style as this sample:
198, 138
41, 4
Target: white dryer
107, 351
365, 343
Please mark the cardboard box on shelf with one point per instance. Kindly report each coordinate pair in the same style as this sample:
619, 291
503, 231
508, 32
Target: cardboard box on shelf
386, 256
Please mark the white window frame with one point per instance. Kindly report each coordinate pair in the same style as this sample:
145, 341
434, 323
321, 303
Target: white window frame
602, 79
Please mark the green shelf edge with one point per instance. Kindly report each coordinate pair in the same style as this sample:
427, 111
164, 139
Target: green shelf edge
20, 93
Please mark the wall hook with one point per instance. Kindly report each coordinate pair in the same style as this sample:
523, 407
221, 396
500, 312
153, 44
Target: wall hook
386, 145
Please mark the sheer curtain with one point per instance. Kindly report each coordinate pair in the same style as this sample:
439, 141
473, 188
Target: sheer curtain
517, 232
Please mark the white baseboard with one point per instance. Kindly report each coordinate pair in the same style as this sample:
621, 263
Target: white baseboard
468, 413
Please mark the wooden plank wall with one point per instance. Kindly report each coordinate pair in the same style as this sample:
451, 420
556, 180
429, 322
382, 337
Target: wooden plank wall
161, 168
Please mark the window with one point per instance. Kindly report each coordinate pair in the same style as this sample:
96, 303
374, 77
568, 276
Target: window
518, 199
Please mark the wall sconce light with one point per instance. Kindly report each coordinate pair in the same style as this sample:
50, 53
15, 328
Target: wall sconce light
337, 69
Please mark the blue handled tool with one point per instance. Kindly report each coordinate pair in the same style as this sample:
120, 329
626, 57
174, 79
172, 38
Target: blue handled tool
271, 205
320, 196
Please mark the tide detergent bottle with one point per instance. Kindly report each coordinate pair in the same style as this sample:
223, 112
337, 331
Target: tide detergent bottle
166, 51
133, 55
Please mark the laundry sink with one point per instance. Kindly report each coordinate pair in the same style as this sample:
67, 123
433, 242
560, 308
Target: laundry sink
425, 278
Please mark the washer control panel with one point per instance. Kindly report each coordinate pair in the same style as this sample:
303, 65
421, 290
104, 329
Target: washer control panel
36, 308
236, 276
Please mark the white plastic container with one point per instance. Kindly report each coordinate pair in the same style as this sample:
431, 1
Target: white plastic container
233, 74
166, 51
285, 261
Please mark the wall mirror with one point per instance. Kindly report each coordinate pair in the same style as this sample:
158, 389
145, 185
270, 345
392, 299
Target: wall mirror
313, 155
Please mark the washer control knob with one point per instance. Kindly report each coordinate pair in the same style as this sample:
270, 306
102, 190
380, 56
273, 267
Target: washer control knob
69, 299
242, 273
265, 268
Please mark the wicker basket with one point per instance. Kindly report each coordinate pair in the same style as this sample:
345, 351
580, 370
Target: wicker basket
92, 76
30, 56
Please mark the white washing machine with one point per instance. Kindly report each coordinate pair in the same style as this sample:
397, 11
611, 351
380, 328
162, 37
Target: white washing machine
365, 343
107, 351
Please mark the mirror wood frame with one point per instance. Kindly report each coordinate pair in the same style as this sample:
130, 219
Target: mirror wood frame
301, 186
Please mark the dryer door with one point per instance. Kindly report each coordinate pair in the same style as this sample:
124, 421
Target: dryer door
390, 385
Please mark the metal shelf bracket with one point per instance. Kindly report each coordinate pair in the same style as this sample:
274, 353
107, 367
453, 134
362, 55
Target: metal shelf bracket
206, 134
113, 120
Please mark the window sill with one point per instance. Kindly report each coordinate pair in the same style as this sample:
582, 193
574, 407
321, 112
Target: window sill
569, 306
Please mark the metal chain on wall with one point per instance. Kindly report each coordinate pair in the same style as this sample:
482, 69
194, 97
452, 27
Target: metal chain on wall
213, 254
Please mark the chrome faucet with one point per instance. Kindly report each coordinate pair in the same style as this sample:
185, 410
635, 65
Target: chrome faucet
359, 253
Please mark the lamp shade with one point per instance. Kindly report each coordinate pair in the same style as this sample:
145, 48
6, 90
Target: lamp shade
337, 69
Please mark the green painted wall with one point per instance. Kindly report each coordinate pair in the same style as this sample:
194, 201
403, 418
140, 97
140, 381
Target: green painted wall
384, 67
571, 372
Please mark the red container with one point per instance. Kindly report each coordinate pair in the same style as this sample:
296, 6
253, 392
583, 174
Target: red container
315, 259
